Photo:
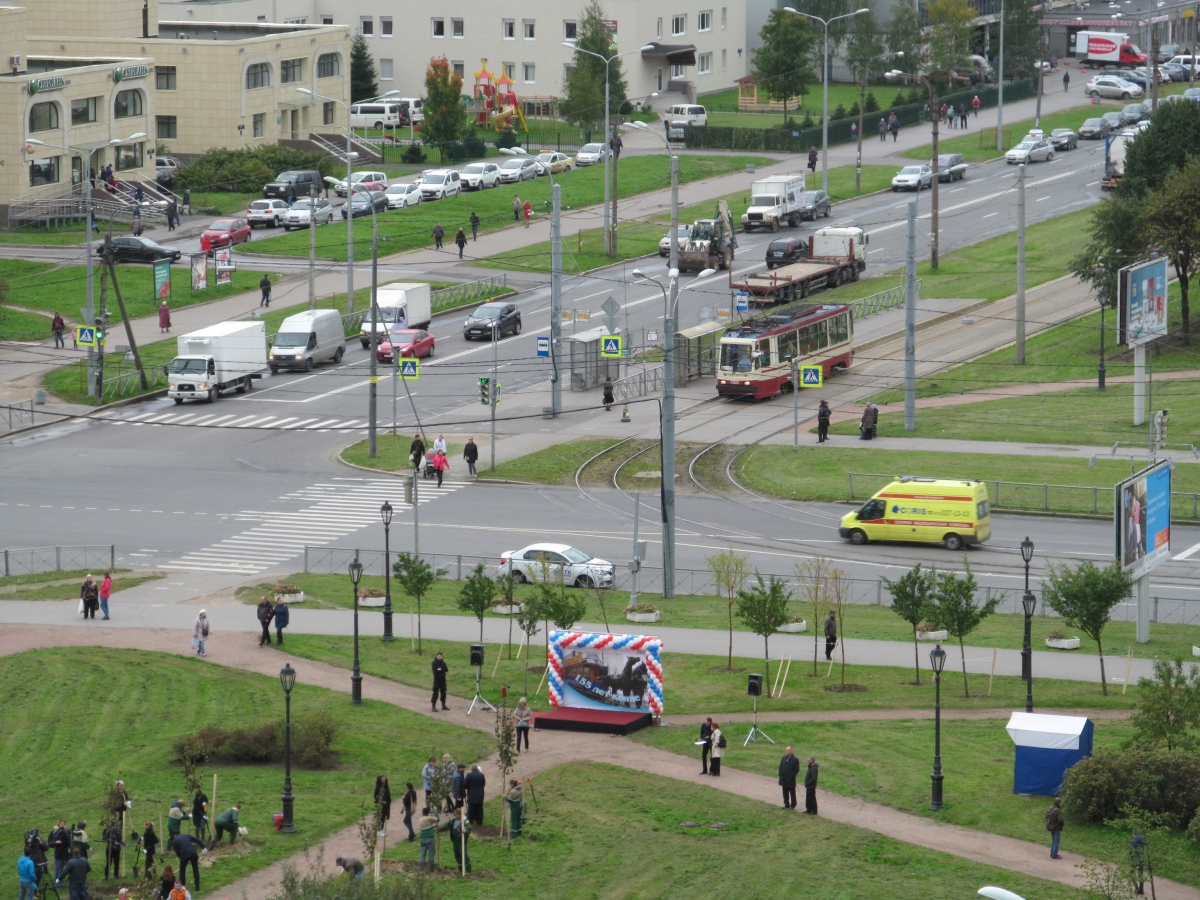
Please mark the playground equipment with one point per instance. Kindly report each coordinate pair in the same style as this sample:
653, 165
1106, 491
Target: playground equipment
501, 107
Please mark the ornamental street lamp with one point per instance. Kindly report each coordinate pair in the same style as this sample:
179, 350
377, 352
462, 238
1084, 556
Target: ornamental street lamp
937, 657
1029, 602
356, 571
386, 512
287, 677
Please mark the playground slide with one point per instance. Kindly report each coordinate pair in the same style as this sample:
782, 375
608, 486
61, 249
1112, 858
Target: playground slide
502, 118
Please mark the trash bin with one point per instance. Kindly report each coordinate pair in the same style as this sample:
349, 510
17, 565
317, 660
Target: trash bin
278, 821
39, 397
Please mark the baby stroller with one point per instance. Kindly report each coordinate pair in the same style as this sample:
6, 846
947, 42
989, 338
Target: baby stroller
427, 469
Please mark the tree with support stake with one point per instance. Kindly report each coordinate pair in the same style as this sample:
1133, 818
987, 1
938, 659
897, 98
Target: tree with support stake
1085, 597
957, 611
415, 577
730, 571
763, 608
912, 601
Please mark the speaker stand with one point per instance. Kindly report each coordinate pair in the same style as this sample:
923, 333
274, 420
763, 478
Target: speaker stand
478, 698
755, 731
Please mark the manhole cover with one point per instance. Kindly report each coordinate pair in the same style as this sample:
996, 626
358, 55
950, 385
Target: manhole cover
717, 825
688, 824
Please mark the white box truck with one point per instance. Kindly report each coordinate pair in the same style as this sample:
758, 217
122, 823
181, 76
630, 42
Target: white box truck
217, 358
406, 302
773, 201
1097, 48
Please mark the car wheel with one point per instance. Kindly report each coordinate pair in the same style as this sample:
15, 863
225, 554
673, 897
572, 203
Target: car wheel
1093, 94
953, 542
519, 577
432, 347
770, 265
338, 354
308, 364
857, 536
828, 211
274, 370
584, 581
379, 126
1050, 156
1125, 95
517, 327
212, 395
275, 222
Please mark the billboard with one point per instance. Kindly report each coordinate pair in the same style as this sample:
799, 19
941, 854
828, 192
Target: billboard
1143, 519
199, 271
620, 672
162, 279
1142, 302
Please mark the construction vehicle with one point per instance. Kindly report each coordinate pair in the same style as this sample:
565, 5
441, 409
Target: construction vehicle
712, 242
1115, 146
835, 256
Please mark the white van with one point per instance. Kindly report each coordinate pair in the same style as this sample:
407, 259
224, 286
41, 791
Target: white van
384, 114
413, 108
688, 114
307, 338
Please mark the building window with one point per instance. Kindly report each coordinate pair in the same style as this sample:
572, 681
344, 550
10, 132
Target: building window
43, 171
328, 65
570, 31
84, 111
291, 70
385, 70
167, 127
527, 29
366, 24
677, 71
130, 156
678, 25
328, 111
509, 70
567, 69
439, 28
509, 29
385, 26
164, 78
724, 60
326, 20
303, 20
704, 64
258, 75
456, 28
530, 72
43, 117
723, 18
704, 23
129, 103
457, 68
259, 124
658, 28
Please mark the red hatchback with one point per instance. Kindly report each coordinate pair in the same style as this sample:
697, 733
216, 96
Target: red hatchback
225, 233
408, 342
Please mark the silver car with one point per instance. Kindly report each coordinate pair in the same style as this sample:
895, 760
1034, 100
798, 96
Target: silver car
1030, 150
1112, 86
519, 168
913, 178
400, 195
590, 154
319, 209
480, 175
664, 246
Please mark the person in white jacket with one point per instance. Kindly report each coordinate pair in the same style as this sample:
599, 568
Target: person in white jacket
718, 750
200, 632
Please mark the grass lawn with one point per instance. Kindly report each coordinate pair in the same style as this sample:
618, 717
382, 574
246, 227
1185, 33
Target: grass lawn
218, 203
18, 325
407, 229
54, 235
65, 585
591, 817
888, 763
391, 453
138, 703
554, 465
723, 106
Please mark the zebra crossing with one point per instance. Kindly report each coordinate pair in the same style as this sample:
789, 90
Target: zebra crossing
323, 513
209, 418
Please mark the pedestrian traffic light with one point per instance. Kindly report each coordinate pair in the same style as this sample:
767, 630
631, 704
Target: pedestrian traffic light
485, 391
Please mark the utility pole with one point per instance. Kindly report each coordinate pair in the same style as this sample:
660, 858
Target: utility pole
133, 347
101, 321
910, 321
312, 246
795, 404
556, 263
609, 249
373, 398
1021, 265
616, 158
1037, 118
862, 101
492, 387
667, 499
935, 229
1000, 86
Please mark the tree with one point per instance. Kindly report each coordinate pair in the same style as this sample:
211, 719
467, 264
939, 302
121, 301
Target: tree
865, 50
527, 620
583, 100
1117, 238
477, 595
1171, 221
445, 115
565, 609
1022, 36
957, 611
1104, 880
506, 584
912, 600
363, 77
812, 577
1085, 597
840, 588
1168, 144
506, 750
906, 36
415, 577
1168, 705
602, 595
730, 571
951, 29
779, 69
764, 607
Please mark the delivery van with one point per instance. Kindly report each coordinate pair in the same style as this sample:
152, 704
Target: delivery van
307, 338
923, 510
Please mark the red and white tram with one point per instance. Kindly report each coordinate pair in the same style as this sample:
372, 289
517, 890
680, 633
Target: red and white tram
757, 355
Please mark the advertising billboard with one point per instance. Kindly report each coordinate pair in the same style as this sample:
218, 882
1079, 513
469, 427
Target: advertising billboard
162, 279
1142, 302
1143, 519
199, 271
606, 671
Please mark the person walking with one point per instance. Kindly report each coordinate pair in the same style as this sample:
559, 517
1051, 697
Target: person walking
964, 122
522, 719
607, 398
895, 127
440, 671
265, 614
172, 214
810, 788
474, 784
517, 207
105, 593
975, 105
1137, 861
823, 414
460, 832
528, 209
718, 750
705, 742
283, 616
830, 635
883, 128
416, 452
951, 118
187, 201
27, 876
76, 872
515, 800
1066, 81
439, 443
854, 132
474, 226
812, 160
89, 593
409, 802
866, 423
789, 771
460, 241
58, 326
135, 224
439, 233
440, 465
164, 318
226, 822
265, 286
427, 826
471, 456
200, 632
187, 849
1054, 825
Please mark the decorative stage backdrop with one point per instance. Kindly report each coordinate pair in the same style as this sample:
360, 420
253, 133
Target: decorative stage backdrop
606, 671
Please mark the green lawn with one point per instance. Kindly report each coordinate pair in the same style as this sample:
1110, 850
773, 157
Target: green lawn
554, 465
18, 325
979, 144
65, 585
133, 705
218, 203
411, 228
591, 819
391, 453
723, 111
53, 235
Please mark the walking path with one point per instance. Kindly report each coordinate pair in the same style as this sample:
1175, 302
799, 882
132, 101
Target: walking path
554, 748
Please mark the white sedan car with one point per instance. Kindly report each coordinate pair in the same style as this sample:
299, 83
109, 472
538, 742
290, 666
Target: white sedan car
557, 561
319, 209
913, 178
480, 175
400, 196
1030, 150
590, 154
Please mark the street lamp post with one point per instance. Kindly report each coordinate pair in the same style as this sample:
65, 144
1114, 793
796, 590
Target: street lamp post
825, 66
1102, 298
349, 219
935, 119
1029, 603
287, 677
937, 657
386, 512
356, 571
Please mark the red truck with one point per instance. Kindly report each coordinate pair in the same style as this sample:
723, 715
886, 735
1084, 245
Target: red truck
1099, 48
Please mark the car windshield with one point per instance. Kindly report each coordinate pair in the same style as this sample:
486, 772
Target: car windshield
1026, 146
302, 206
362, 176
433, 179
486, 312
737, 357
1061, 132
763, 200
1092, 123
911, 170
474, 169
221, 225
546, 157
592, 148
702, 231
400, 337
188, 366
811, 196
575, 556
512, 164
290, 339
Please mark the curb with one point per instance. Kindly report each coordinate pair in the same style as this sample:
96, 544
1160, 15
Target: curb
922, 326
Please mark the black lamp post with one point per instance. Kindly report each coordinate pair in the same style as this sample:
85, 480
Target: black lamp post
356, 571
1029, 602
386, 512
937, 657
1102, 297
287, 677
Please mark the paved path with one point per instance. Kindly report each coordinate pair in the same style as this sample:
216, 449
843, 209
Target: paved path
550, 749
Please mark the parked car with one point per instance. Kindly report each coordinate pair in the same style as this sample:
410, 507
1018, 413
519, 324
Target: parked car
1115, 120
590, 154
1148, 73
400, 196
225, 233
1030, 150
498, 316
913, 178
1094, 129
266, 212
139, 250
438, 184
409, 342
1064, 139
1192, 94
1112, 86
782, 251
518, 168
951, 167
318, 209
165, 169
555, 162
816, 203
1166, 52
480, 175
371, 181
1132, 113
557, 562
302, 182
362, 204
664, 246
1174, 70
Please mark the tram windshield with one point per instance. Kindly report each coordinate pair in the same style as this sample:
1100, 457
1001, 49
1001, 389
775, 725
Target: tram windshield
741, 358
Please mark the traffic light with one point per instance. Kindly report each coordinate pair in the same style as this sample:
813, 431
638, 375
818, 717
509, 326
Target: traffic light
496, 393
485, 391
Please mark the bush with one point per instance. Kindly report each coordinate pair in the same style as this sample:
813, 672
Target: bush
254, 745
916, 95
899, 100
243, 170
312, 743
1193, 830
505, 139
840, 112
413, 154
1152, 780
475, 147
853, 114
870, 104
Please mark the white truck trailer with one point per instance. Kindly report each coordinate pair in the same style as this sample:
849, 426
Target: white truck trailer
217, 358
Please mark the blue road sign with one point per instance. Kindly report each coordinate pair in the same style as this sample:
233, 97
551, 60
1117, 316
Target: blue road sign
610, 346
741, 301
85, 335
410, 369
811, 376
543, 346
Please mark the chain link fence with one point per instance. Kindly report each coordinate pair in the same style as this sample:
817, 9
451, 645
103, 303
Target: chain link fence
32, 560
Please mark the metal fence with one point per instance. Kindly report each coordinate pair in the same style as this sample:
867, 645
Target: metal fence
446, 298
888, 299
126, 382
17, 414
59, 558
863, 591
639, 383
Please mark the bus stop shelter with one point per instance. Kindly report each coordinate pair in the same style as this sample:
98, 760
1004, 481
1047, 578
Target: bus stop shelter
697, 351
588, 368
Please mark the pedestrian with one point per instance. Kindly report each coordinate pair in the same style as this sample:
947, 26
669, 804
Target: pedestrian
823, 413
874, 421
80, 840
200, 632
416, 451
27, 876
172, 213
226, 822
975, 105
187, 201
351, 865
866, 424
409, 801
474, 783
440, 464
200, 814
925, 112
883, 129
60, 841
449, 770
112, 849
283, 616
471, 455
812, 160
175, 818
291, 194
89, 593
854, 132
1066, 81
187, 849
265, 286
460, 831
528, 212
439, 443
76, 872
150, 844
383, 803
427, 826
460, 241
615, 144
105, 593
167, 883
789, 770
265, 614
810, 788
895, 126
522, 719
964, 119
474, 226
136, 224
1137, 861
608, 398
951, 118
57, 325
705, 742
830, 635
164, 318
718, 750
138, 194
515, 799
1054, 825
428, 773
440, 671
517, 207
438, 234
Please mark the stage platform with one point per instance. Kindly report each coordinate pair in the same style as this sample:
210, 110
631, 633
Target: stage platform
601, 721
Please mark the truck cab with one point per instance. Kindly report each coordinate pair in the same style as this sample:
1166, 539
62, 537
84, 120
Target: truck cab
840, 244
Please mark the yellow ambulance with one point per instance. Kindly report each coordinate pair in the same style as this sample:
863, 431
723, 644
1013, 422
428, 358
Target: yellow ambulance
924, 510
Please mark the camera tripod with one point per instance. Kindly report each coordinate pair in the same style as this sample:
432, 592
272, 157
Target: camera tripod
46, 883
479, 698
755, 731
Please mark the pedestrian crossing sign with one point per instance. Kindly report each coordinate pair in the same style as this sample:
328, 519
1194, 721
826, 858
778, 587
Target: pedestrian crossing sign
410, 369
811, 376
610, 346
85, 335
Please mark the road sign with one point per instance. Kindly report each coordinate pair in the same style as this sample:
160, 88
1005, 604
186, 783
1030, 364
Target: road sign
742, 299
410, 369
485, 391
543, 346
651, 337
85, 335
610, 346
497, 388
812, 376
611, 308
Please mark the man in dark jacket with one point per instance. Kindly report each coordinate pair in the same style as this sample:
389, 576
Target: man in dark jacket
830, 635
150, 844
440, 671
89, 593
187, 847
810, 788
112, 849
789, 769
265, 287
226, 822
60, 840
458, 788
460, 832
283, 616
76, 872
200, 814
1054, 825
416, 452
471, 455
823, 412
706, 747
265, 615
474, 783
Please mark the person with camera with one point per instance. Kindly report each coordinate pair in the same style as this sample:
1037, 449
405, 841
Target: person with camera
80, 840
60, 840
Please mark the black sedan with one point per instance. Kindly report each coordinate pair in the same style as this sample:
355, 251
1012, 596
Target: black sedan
139, 250
951, 167
816, 203
360, 204
1064, 139
786, 250
1094, 129
501, 318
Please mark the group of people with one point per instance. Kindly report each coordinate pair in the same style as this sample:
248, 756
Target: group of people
460, 239
957, 118
892, 124
437, 464
522, 208
279, 613
93, 596
868, 422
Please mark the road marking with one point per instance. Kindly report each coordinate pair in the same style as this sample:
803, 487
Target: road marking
989, 215
1040, 199
1188, 553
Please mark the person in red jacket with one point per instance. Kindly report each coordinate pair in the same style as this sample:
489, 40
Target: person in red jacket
440, 464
